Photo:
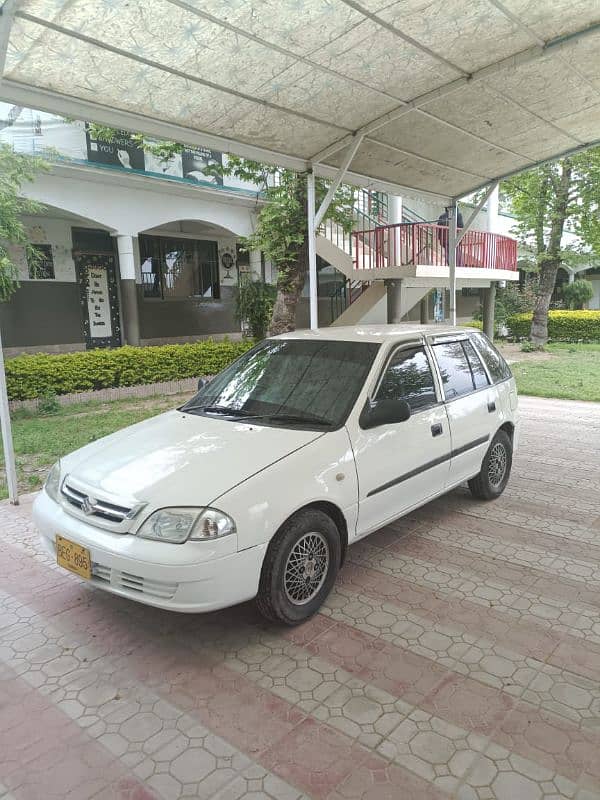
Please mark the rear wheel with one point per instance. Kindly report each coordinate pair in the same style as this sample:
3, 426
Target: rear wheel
495, 469
300, 567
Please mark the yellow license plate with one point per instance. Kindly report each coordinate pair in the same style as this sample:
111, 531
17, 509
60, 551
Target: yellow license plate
73, 557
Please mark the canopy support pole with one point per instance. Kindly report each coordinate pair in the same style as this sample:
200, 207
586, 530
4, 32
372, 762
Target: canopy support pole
468, 224
312, 252
452, 259
315, 219
337, 180
7, 442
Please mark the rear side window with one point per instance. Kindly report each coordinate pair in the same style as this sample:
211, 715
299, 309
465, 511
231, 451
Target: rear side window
455, 370
480, 379
497, 366
408, 377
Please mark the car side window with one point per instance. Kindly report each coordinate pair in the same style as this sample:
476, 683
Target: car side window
480, 378
408, 377
497, 366
455, 369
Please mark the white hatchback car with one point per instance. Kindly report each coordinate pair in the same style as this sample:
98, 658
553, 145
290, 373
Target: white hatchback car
256, 486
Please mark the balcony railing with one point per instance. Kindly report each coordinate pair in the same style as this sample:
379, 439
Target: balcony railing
408, 244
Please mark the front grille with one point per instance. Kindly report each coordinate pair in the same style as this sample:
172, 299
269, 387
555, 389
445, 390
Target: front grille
133, 583
93, 507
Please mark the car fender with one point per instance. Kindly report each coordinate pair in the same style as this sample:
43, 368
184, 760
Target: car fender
322, 471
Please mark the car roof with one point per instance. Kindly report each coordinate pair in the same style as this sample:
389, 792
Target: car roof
375, 333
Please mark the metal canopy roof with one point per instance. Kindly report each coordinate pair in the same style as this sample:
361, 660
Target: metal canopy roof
450, 94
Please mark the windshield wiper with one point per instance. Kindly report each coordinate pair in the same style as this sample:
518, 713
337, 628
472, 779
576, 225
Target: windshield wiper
226, 411
216, 409
304, 419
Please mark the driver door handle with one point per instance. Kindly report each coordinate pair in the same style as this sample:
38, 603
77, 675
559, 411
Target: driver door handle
437, 429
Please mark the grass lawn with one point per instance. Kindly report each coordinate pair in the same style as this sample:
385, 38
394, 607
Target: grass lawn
567, 371
40, 439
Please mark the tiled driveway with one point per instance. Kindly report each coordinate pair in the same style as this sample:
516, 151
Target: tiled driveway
459, 655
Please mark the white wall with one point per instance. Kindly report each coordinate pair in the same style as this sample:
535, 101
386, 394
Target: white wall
57, 233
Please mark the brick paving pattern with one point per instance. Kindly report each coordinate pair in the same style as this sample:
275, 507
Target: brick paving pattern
457, 657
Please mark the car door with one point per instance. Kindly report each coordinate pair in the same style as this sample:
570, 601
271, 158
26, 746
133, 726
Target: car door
401, 465
471, 404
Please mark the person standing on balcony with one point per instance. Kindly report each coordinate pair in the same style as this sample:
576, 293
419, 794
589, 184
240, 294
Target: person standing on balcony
443, 234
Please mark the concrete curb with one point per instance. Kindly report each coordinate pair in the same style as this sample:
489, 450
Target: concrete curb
116, 393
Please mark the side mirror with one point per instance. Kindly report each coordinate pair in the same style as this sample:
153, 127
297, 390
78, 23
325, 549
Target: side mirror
202, 382
384, 412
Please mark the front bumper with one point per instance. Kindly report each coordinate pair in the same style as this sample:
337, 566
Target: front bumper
190, 577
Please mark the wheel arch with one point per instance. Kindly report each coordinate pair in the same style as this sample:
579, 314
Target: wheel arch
334, 512
509, 429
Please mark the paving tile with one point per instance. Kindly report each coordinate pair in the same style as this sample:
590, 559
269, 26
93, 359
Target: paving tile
458, 656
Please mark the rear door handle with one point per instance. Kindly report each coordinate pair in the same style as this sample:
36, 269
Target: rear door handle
437, 430
491, 406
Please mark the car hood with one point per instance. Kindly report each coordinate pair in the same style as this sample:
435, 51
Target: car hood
181, 459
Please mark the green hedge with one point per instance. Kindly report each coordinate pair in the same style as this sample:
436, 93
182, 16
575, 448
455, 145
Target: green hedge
563, 326
38, 375
474, 323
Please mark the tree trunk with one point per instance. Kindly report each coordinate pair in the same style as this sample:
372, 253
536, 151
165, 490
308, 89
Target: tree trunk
289, 288
551, 259
539, 323
292, 278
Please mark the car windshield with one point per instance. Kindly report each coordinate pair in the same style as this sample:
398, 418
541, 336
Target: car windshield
289, 382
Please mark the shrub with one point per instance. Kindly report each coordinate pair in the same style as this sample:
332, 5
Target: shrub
578, 293
48, 404
254, 306
40, 375
514, 299
563, 326
474, 323
530, 347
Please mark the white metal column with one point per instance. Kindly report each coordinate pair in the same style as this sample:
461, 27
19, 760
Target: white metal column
7, 442
452, 260
312, 252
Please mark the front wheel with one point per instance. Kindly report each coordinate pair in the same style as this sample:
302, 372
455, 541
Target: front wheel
495, 469
300, 568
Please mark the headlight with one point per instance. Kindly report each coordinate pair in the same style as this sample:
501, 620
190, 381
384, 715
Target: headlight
177, 525
52, 485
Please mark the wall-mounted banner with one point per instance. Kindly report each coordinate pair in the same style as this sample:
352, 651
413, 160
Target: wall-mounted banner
123, 152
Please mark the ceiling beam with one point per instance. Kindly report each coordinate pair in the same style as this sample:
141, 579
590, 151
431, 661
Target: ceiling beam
533, 53
148, 62
56, 103
404, 37
7, 15
562, 154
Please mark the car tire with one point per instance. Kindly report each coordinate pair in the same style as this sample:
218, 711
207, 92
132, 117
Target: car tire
495, 469
300, 567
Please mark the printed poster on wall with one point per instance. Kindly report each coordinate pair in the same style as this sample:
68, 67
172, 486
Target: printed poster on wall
98, 303
123, 152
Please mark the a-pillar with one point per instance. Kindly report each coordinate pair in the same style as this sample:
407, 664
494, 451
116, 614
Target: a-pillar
394, 301
489, 302
129, 299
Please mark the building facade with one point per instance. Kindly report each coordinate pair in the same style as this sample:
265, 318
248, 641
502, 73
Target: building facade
136, 250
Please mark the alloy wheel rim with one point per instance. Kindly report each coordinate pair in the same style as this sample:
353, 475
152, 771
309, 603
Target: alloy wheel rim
497, 464
306, 568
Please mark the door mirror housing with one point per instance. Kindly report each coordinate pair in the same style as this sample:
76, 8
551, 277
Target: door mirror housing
384, 412
202, 382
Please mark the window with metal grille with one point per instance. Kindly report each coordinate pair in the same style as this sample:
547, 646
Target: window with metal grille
177, 268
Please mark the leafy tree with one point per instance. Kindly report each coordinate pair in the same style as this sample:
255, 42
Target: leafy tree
548, 201
282, 230
15, 170
578, 293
